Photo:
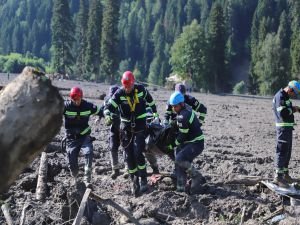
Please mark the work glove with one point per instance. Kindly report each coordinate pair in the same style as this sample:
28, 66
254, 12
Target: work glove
156, 118
201, 120
173, 123
170, 147
108, 120
165, 123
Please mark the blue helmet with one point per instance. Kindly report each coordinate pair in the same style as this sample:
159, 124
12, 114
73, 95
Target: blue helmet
176, 98
295, 85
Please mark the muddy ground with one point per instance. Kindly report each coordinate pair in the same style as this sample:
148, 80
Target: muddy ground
239, 141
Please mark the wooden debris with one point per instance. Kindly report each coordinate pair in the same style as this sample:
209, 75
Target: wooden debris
23, 214
41, 187
276, 213
82, 207
163, 217
244, 180
31, 115
243, 215
5, 210
116, 206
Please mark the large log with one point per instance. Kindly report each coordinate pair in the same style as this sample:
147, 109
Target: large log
41, 187
30, 115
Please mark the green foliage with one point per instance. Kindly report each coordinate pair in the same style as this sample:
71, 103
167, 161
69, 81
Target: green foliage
188, 54
15, 63
239, 88
93, 36
109, 40
143, 31
81, 38
218, 80
62, 37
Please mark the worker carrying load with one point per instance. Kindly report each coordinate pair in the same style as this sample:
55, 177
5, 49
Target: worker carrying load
189, 143
131, 100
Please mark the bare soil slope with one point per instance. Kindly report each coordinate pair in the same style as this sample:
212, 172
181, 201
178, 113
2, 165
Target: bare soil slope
239, 140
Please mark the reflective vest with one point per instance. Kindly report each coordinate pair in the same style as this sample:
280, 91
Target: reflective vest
283, 110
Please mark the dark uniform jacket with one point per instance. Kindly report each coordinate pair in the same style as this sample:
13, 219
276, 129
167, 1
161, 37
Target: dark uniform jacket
77, 117
132, 107
191, 101
283, 110
189, 127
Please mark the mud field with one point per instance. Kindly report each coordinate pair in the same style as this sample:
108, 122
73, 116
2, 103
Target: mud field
239, 145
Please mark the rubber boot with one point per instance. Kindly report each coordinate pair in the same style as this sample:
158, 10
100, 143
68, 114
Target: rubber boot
196, 180
280, 181
74, 175
287, 177
144, 184
135, 188
180, 186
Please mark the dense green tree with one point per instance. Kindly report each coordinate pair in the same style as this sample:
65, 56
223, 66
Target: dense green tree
62, 37
188, 54
81, 37
156, 75
295, 54
109, 40
216, 37
93, 36
271, 68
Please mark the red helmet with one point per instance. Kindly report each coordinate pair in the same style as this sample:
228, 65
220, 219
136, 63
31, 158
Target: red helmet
76, 93
127, 79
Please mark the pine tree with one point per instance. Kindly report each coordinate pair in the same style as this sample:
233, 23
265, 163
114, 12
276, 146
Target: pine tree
216, 38
109, 40
62, 37
81, 37
92, 57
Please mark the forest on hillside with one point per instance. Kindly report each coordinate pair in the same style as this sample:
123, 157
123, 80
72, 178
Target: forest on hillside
218, 43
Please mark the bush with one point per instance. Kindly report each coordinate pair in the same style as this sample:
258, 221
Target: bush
14, 62
239, 88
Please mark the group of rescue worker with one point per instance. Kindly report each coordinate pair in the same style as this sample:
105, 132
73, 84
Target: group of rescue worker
126, 109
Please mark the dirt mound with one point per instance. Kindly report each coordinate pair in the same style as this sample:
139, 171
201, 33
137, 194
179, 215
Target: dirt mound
239, 143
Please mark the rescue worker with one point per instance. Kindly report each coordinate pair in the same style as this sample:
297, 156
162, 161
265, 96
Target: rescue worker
77, 112
131, 101
189, 142
284, 118
114, 136
188, 99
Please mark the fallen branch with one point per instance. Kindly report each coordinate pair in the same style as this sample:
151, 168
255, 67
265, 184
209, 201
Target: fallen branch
82, 207
163, 217
276, 213
243, 215
244, 180
5, 210
41, 187
23, 214
116, 206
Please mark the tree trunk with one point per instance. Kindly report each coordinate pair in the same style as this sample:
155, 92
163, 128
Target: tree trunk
41, 187
30, 116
